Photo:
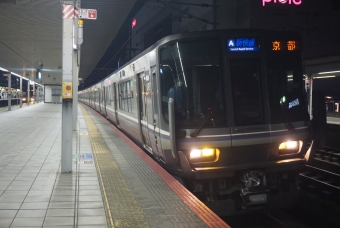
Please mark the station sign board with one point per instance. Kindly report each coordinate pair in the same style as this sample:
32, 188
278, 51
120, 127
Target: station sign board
87, 13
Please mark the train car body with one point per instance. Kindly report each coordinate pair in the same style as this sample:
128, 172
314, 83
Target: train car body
224, 111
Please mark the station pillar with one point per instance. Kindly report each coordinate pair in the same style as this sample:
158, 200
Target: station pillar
75, 65
67, 99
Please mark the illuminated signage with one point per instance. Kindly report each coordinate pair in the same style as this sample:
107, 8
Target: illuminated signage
294, 103
291, 45
133, 23
290, 2
276, 46
280, 45
242, 45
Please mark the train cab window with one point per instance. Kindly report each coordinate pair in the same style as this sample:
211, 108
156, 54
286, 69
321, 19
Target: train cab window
287, 98
190, 73
246, 90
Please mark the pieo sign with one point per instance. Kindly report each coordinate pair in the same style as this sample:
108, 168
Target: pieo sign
290, 2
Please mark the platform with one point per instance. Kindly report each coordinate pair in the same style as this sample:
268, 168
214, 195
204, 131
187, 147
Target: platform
113, 182
333, 120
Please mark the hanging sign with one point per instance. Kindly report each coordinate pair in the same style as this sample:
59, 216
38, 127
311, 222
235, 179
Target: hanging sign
87, 13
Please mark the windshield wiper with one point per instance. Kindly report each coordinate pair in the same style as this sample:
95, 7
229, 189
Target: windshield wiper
195, 133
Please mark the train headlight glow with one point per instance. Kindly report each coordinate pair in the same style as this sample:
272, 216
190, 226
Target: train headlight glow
290, 147
204, 155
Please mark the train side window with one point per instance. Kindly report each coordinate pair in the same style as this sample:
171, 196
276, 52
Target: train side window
126, 96
108, 96
247, 96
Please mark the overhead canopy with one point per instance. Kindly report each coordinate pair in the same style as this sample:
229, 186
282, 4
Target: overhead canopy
31, 36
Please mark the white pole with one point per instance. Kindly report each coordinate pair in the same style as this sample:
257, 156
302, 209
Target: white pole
66, 132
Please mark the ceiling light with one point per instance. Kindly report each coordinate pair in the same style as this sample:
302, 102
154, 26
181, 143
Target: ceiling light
329, 72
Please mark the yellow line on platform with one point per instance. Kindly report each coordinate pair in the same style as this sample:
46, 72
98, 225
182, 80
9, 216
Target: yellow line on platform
118, 198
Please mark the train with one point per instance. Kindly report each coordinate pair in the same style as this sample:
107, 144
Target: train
224, 111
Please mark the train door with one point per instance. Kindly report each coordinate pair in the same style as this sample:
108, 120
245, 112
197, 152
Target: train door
92, 99
95, 98
104, 100
156, 139
145, 106
249, 114
100, 94
115, 97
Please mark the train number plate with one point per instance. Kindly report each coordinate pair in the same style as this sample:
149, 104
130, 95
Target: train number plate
258, 199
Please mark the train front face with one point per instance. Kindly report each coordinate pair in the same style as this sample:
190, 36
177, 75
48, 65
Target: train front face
241, 117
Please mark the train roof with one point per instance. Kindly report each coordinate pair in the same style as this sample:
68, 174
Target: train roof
206, 33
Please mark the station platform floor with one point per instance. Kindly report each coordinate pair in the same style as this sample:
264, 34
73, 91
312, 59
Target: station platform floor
113, 183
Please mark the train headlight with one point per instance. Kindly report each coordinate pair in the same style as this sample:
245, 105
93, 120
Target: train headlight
290, 147
204, 155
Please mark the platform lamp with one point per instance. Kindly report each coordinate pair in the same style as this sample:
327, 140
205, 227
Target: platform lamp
38, 74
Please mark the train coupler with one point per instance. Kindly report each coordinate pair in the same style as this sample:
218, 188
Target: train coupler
255, 189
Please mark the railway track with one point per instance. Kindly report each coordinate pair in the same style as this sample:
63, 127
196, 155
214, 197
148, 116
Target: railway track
319, 201
321, 175
327, 158
320, 181
320, 189
260, 220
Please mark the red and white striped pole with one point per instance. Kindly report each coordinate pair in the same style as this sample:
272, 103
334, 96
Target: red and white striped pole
68, 11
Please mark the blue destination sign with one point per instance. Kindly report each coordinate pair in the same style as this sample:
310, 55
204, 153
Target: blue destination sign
242, 45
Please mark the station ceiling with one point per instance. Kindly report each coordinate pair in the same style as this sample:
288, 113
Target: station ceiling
31, 36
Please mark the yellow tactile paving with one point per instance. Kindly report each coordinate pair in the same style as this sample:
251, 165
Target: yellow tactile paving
122, 209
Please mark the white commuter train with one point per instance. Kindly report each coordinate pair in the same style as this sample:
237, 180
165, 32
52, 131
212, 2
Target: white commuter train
224, 111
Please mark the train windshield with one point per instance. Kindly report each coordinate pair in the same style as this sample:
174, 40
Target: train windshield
287, 98
190, 74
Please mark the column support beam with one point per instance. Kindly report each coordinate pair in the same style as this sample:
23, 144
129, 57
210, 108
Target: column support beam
67, 101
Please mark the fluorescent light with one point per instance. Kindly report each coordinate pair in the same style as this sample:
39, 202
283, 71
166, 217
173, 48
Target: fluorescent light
332, 76
329, 72
3, 69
